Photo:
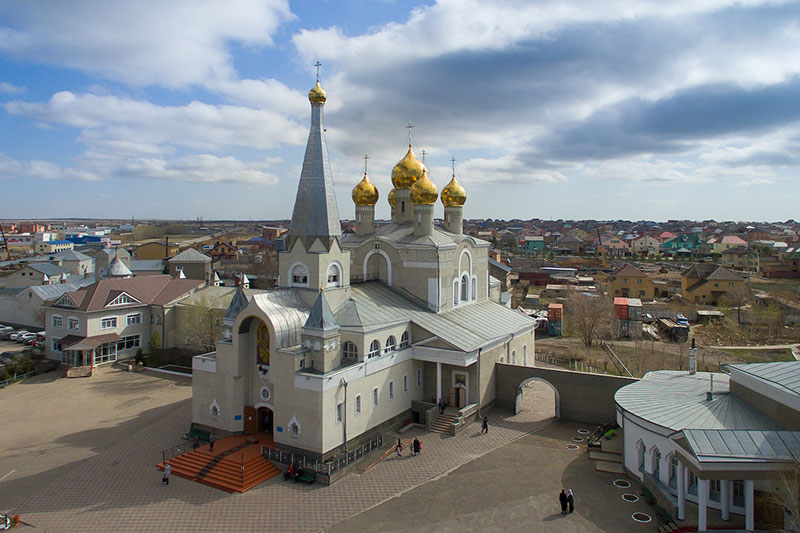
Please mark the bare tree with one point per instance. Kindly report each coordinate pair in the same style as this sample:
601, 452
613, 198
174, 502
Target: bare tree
591, 316
786, 496
201, 322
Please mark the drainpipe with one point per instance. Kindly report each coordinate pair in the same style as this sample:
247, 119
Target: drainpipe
479, 382
344, 414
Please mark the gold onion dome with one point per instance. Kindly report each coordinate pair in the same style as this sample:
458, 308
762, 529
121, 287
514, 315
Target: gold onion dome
317, 94
424, 192
407, 170
453, 195
365, 193
392, 201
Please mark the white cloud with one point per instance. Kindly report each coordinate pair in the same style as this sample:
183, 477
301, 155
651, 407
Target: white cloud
147, 42
8, 88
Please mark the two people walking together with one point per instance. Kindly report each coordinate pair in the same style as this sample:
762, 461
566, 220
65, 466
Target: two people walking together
567, 501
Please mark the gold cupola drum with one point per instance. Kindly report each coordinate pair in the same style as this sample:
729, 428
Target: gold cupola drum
365, 196
404, 174
453, 198
423, 195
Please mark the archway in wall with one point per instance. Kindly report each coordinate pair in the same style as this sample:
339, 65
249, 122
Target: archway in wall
377, 267
537, 398
259, 341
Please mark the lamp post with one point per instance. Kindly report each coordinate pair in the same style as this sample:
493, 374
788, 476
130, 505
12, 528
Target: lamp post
344, 414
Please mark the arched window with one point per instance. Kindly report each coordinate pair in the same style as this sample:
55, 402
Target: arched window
642, 454
391, 344
350, 350
334, 276
656, 463
299, 276
474, 288
513, 357
525, 354
374, 349
404, 340
456, 291
464, 288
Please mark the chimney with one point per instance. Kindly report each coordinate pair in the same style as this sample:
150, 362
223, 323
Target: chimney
693, 358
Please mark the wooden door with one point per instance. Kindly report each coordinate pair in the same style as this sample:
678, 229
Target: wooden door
250, 419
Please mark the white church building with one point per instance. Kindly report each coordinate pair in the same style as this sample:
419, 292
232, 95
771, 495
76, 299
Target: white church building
364, 324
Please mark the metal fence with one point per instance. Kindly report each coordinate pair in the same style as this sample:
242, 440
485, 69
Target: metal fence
17, 377
175, 451
328, 467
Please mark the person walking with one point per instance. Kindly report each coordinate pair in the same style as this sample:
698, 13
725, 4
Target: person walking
571, 501
399, 448
417, 446
441, 405
167, 472
211, 443
562, 498
485, 425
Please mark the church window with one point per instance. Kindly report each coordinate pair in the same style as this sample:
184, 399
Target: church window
391, 343
456, 291
350, 350
513, 357
464, 288
474, 288
214, 409
525, 354
419, 377
375, 397
334, 276
358, 404
374, 349
294, 429
405, 382
391, 390
339, 412
299, 275
404, 340
642, 452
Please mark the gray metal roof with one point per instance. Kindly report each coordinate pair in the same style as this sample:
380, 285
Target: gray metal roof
240, 299
287, 312
51, 292
467, 328
315, 212
677, 400
404, 234
51, 269
190, 255
711, 445
785, 374
321, 316
70, 255
147, 265
116, 269
499, 265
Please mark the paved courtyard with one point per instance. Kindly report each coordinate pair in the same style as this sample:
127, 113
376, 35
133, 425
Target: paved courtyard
104, 477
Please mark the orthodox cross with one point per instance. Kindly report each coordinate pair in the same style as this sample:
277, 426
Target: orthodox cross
453, 164
409, 126
317, 64
423, 155
366, 158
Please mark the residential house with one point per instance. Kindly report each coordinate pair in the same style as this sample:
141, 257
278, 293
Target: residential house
73, 262
740, 258
630, 282
155, 250
727, 242
645, 245
534, 243
223, 250
49, 247
691, 243
666, 236
571, 245
42, 273
501, 272
270, 233
22, 306
612, 246
111, 318
193, 264
707, 283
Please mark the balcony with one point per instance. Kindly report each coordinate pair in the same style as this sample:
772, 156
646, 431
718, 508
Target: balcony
206, 362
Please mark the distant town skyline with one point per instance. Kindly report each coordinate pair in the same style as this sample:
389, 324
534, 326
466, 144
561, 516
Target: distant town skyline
576, 110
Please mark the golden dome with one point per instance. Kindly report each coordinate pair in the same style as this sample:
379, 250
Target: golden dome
453, 195
424, 192
317, 94
392, 201
407, 171
365, 193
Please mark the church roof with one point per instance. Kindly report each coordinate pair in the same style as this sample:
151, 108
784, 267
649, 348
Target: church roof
116, 269
467, 328
404, 234
315, 214
321, 316
287, 312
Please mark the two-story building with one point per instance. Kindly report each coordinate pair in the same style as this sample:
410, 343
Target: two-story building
740, 258
192, 264
111, 318
630, 282
706, 283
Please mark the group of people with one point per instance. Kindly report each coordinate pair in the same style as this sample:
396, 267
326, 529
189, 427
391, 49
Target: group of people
293, 472
567, 501
416, 447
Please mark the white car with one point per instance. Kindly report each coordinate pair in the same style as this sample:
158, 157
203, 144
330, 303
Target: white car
17, 335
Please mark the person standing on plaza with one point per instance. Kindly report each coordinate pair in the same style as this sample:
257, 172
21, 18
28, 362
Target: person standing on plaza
417, 446
399, 448
167, 472
571, 501
211, 443
485, 425
562, 498
441, 405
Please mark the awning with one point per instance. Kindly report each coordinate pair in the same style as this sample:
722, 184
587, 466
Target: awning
73, 342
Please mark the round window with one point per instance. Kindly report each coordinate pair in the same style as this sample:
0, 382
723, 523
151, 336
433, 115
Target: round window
265, 394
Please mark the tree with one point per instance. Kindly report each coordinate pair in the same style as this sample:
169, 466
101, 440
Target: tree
590, 315
786, 496
201, 322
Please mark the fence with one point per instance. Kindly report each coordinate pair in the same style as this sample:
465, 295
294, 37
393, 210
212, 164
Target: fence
175, 451
571, 364
16, 378
329, 467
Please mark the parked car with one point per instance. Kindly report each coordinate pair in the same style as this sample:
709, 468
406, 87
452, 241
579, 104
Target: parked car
25, 336
14, 336
5, 332
681, 320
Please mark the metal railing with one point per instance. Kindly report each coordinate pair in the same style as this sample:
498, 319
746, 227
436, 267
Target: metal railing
328, 467
17, 377
175, 451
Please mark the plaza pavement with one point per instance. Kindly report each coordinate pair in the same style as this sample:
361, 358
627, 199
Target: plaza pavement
118, 488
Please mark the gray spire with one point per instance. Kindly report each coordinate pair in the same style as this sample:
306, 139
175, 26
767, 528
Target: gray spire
321, 317
315, 213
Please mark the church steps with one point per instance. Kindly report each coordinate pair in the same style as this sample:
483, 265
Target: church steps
226, 474
442, 423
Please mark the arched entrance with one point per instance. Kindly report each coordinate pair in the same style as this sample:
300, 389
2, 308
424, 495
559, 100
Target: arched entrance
539, 396
265, 419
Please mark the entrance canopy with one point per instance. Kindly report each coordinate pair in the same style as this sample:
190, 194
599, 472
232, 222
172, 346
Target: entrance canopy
74, 342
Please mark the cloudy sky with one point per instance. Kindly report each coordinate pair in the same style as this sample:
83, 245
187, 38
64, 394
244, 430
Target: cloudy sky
552, 109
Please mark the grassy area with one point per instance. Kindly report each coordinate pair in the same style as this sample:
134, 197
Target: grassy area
761, 356
784, 288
